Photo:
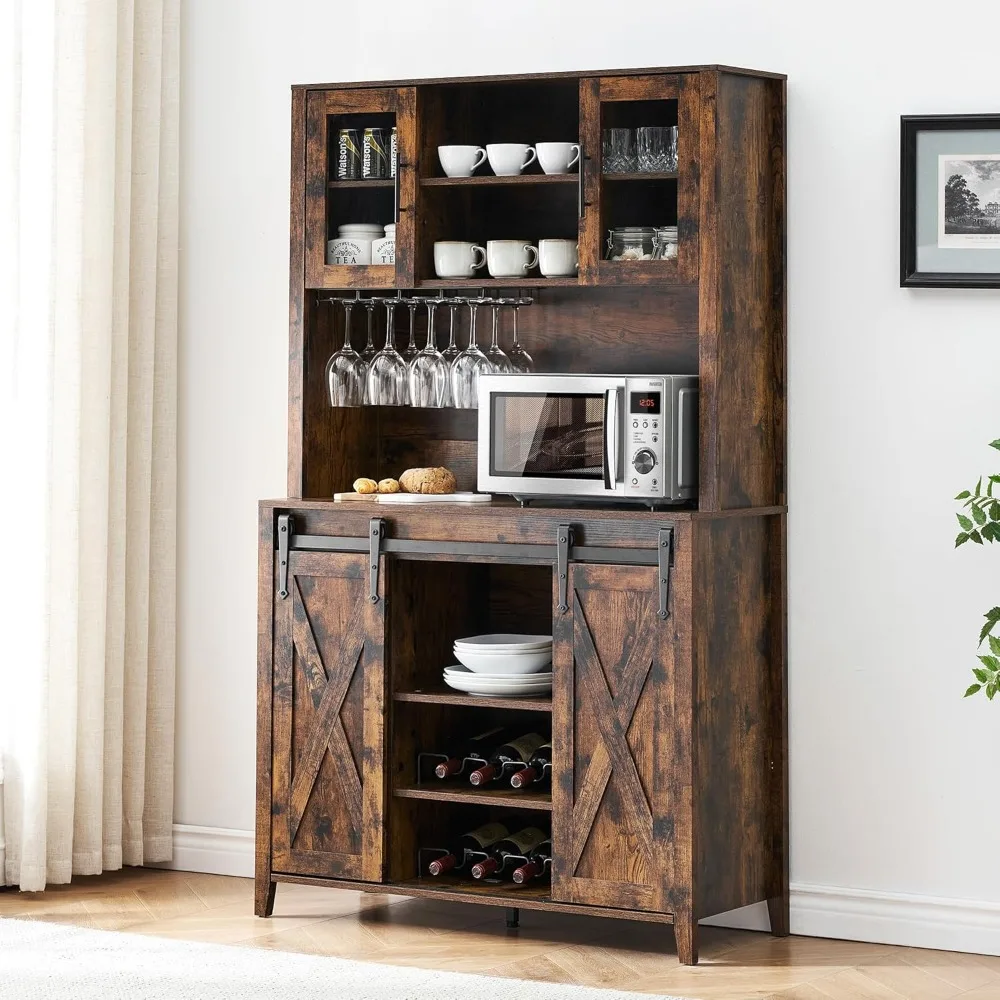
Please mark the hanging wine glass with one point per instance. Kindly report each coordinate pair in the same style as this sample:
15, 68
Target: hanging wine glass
411, 350
346, 371
519, 358
387, 373
468, 366
368, 352
451, 351
499, 363
429, 372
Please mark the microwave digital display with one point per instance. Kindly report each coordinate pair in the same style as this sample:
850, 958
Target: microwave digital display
644, 402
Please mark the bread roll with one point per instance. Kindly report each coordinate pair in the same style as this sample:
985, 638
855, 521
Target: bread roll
365, 486
388, 486
439, 480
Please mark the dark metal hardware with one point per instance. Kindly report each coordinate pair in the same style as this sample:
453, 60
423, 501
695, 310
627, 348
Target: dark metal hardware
579, 183
501, 551
376, 529
665, 554
286, 524
513, 917
395, 187
564, 539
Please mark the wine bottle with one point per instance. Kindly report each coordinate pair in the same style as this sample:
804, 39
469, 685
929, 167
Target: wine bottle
475, 840
535, 770
521, 844
535, 864
473, 746
517, 751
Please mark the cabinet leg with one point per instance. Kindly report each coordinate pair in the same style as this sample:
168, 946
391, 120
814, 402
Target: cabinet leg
513, 916
686, 933
777, 910
263, 897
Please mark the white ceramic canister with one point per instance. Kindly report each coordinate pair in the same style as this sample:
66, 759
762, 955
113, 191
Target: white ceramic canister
384, 250
353, 244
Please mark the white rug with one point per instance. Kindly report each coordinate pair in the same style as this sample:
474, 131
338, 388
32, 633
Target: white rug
41, 961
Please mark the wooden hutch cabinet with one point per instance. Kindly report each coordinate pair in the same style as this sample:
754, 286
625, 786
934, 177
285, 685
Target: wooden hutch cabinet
669, 792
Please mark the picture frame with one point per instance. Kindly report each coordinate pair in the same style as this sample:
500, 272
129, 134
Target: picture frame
949, 216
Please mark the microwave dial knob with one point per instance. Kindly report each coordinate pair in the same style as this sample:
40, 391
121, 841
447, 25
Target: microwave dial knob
644, 461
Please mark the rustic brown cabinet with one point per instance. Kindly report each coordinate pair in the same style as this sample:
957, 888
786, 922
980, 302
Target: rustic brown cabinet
668, 712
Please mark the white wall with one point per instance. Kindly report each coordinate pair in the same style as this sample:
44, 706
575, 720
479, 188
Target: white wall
892, 398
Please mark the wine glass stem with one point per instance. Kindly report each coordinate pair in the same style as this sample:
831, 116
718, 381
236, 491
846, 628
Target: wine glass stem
451, 328
348, 305
473, 306
431, 339
412, 345
370, 346
495, 343
515, 342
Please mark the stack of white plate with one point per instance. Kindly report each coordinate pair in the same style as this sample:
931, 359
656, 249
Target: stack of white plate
505, 665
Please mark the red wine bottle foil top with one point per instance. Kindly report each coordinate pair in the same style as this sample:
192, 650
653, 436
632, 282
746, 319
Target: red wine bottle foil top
441, 865
483, 868
483, 774
525, 872
448, 768
523, 777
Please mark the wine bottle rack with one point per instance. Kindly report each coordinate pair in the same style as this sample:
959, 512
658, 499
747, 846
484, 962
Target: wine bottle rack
425, 855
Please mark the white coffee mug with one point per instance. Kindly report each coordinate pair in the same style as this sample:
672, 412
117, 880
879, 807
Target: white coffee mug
461, 161
508, 159
558, 258
557, 157
457, 260
510, 258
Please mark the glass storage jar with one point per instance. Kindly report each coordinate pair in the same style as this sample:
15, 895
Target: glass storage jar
665, 243
631, 243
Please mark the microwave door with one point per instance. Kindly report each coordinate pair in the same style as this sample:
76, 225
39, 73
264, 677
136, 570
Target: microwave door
612, 439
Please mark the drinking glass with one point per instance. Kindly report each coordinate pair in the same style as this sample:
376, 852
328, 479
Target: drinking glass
657, 149
618, 149
520, 359
346, 371
499, 362
429, 373
451, 351
368, 352
387, 373
411, 350
468, 366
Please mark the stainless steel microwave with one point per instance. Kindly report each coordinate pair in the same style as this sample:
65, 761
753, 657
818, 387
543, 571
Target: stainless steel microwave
607, 437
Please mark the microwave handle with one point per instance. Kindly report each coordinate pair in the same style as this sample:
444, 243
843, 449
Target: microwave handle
611, 432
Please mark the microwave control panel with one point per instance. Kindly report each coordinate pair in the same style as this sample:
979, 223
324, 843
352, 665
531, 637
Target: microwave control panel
646, 425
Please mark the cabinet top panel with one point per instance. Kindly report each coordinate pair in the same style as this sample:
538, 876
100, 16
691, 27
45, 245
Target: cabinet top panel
511, 78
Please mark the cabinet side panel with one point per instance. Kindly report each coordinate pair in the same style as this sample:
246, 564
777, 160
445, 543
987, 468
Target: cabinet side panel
265, 649
742, 293
296, 286
740, 804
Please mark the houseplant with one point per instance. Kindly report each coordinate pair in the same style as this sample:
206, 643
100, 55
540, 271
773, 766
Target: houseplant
983, 526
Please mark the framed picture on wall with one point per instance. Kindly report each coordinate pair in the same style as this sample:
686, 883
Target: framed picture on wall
949, 220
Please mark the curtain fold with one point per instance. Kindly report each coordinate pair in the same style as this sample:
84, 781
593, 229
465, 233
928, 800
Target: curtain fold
88, 314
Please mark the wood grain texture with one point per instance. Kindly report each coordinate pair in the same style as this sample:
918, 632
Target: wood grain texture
329, 787
590, 237
296, 297
742, 293
739, 782
263, 886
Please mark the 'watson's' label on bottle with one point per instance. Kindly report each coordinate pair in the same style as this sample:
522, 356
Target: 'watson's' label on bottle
349, 155
528, 839
527, 745
489, 834
375, 158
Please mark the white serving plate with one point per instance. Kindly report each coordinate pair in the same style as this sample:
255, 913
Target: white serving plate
504, 642
435, 497
539, 678
504, 663
515, 687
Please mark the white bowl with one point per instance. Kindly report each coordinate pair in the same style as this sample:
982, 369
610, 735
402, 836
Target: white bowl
538, 678
504, 641
504, 663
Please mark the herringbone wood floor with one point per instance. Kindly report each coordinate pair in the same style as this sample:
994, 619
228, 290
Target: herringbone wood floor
553, 947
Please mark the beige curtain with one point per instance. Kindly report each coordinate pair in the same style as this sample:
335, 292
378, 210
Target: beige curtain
88, 318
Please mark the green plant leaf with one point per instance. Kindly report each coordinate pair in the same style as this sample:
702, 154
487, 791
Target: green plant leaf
979, 486
976, 537
961, 539
964, 522
991, 690
972, 689
979, 516
990, 662
995, 444
995, 645
988, 532
995, 511
963, 495
981, 675
992, 617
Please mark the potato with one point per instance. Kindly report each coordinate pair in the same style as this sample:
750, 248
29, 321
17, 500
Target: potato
388, 486
365, 486
438, 480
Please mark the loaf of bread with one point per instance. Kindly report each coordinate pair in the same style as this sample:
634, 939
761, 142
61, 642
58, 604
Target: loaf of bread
439, 480
365, 486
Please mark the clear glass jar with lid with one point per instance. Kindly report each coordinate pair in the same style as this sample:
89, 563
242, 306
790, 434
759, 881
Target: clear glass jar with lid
631, 243
665, 243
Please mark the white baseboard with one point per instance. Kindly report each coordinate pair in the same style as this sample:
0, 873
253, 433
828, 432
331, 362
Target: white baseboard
816, 910
212, 849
